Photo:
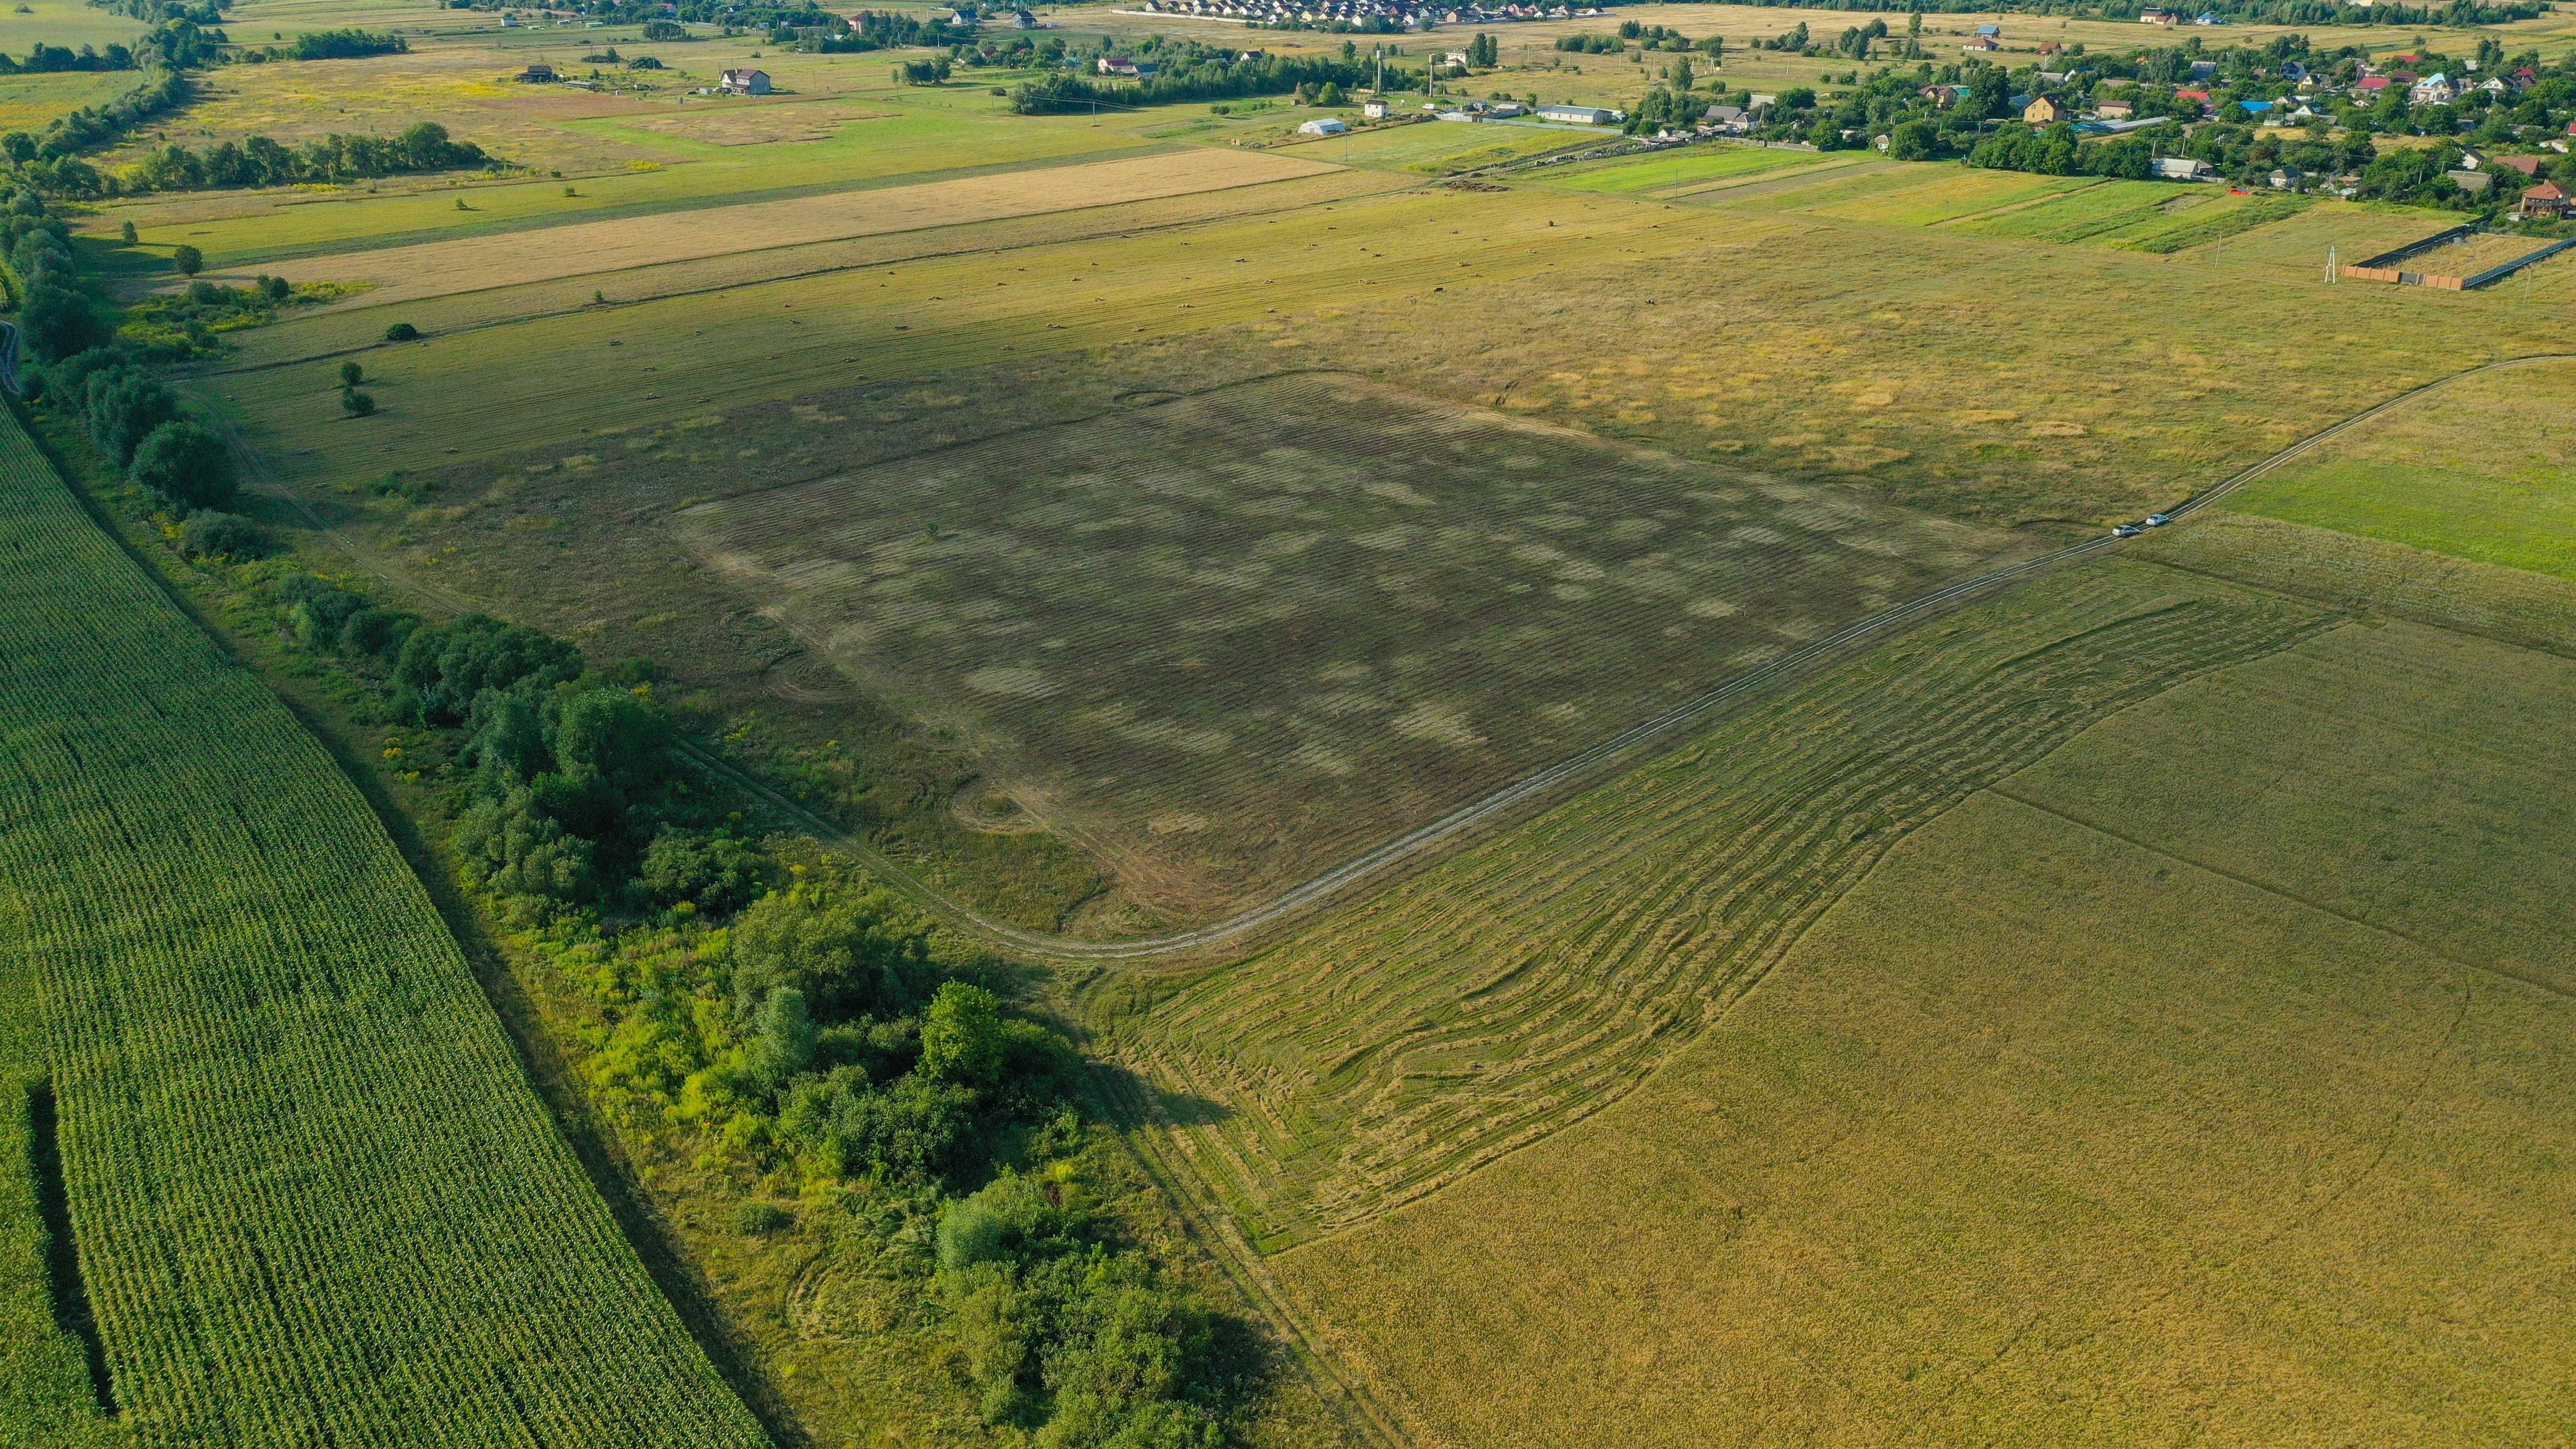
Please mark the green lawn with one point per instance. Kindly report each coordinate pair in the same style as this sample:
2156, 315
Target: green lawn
2480, 472
1697, 165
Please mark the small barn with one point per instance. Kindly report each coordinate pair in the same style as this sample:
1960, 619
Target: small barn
744, 83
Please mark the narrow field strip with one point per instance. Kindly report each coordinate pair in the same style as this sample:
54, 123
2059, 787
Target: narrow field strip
358, 324
1532, 980
432, 269
315, 1201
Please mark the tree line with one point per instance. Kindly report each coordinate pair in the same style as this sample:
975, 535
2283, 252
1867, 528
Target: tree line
796, 1019
1212, 79
261, 161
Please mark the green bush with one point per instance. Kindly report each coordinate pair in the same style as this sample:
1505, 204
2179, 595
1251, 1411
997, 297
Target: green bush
223, 535
185, 466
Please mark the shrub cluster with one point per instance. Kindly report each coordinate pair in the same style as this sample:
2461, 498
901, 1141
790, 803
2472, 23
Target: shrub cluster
262, 161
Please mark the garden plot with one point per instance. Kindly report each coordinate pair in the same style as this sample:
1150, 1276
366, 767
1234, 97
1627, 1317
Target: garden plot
1229, 638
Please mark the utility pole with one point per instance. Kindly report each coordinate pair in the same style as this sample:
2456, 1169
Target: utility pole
2332, 271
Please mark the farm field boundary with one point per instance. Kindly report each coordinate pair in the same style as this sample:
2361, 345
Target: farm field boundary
1515, 988
225, 250
584, 247
1408, 848
352, 328
1303, 654
1540, 785
265, 1057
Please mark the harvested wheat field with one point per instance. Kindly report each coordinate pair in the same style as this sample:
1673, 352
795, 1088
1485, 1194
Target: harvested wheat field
1227, 638
1532, 981
432, 269
2198, 1086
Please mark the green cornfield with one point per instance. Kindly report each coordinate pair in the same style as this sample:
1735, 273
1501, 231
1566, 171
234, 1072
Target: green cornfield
314, 1199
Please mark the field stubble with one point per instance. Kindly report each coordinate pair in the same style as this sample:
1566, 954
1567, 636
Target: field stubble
2172, 1086
1226, 640
1536, 978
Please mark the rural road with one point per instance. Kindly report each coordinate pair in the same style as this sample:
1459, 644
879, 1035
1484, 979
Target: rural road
1379, 860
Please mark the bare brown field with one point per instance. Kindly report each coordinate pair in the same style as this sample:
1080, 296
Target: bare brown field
431, 269
1225, 640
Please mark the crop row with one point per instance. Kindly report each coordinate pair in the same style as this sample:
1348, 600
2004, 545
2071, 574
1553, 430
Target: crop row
314, 1200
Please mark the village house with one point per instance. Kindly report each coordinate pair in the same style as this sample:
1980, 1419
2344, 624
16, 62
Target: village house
2527, 165
744, 83
1579, 115
2114, 110
1991, 32
2287, 178
2045, 111
2160, 17
2433, 90
1377, 110
535, 75
2199, 100
1982, 42
2546, 199
2178, 168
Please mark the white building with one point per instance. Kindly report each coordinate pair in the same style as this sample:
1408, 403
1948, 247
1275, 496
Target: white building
1323, 126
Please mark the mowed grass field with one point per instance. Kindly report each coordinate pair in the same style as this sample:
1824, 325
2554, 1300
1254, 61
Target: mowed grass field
1438, 147
1784, 346
1510, 992
1231, 638
613, 157
2201, 1073
432, 269
2479, 472
281, 1151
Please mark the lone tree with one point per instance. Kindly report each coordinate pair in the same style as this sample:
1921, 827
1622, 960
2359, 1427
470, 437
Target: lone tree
187, 259
185, 466
402, 332
355, 403
351, 374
